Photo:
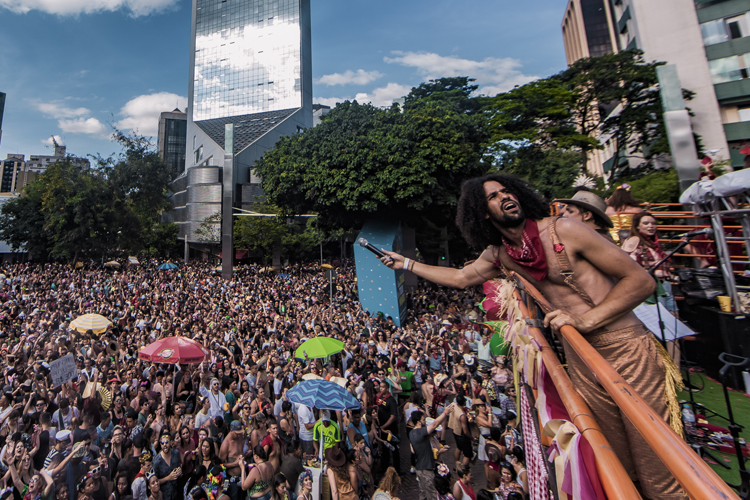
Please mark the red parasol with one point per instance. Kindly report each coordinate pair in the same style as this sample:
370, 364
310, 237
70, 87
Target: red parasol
174, 350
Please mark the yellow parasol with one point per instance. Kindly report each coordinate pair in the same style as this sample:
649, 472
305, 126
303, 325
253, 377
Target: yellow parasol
95, 322
112, 263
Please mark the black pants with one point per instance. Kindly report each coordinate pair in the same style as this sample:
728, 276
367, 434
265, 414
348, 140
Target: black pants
392, 457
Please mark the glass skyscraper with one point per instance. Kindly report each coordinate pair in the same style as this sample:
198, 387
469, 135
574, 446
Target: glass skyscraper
250, 65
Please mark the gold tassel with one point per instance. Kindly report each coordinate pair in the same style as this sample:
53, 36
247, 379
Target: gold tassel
672, 384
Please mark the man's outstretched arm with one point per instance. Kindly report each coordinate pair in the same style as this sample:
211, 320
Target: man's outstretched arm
476, 273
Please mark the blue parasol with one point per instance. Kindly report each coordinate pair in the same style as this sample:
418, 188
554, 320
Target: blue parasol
166, 266
323, 395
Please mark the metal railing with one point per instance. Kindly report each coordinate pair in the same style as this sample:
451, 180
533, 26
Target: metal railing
697, 479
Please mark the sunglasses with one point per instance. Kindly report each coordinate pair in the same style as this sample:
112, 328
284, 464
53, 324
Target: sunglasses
95, 470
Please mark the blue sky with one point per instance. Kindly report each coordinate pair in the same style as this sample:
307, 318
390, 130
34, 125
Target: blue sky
73, 68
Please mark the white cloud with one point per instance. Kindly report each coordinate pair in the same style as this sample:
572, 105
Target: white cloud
90, 126
360, 77
141, 114
492, 74
381, 96
71, 120
135, 8
58, 139
58, 111
384, 96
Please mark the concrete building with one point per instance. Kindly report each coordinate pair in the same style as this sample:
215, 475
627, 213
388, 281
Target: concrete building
10, 174
39, 163
172, 139
725, 27
2, 110
672, 31
250, 65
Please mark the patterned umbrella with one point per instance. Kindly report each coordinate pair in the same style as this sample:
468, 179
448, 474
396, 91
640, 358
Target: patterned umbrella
166, 266
174, 350
323, 395
95, 322
319, 347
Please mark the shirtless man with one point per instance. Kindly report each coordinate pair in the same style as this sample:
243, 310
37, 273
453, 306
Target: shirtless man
273, 445
230, 454
502, 216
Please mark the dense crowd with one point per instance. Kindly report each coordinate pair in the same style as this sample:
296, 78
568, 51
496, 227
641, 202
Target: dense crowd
224, 429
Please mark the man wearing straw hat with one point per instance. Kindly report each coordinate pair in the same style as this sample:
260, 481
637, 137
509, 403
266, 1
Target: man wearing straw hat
589, 209
593, 286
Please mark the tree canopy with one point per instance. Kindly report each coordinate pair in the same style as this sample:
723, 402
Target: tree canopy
69, 210
614, 97
403, 163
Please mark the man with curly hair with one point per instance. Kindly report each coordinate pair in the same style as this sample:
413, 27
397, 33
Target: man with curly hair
593, 286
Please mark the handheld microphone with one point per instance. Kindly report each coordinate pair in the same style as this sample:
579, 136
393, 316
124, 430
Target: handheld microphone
706, 230
365, 244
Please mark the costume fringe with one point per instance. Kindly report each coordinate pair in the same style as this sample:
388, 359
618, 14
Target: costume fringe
672, 384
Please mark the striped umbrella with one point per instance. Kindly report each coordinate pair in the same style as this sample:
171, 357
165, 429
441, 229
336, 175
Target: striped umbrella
323, 395
95, 322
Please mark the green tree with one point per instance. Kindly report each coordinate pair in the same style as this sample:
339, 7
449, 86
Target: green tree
22, 223
69, 210
261, 234
614, 96
551, 171
361, 160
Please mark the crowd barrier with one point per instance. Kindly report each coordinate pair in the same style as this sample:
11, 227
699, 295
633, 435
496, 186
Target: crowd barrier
555, 416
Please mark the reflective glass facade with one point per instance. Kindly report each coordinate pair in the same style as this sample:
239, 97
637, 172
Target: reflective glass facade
247, 57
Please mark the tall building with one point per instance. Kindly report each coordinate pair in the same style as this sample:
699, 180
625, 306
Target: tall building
172, 139
665, 30
10, 173
2, 110
39, 163
250, 65
725, 27
16, 172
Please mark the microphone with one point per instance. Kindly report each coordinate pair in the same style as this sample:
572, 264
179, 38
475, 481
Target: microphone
706, 230
365, 244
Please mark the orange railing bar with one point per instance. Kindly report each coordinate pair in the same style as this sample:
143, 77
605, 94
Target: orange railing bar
613, 476
691, 472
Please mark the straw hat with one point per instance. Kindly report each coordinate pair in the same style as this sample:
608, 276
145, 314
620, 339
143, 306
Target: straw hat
591, 202
440, 378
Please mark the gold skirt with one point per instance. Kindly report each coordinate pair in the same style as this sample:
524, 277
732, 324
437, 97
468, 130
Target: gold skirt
634, 355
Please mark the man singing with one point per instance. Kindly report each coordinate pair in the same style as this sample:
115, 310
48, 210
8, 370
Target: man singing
593, 286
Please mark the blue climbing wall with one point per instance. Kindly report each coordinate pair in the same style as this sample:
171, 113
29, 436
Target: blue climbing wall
380, 288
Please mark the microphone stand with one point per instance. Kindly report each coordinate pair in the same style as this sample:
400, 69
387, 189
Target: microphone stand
652, 272
697, 446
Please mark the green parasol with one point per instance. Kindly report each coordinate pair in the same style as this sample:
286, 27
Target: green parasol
497, 342
319, 347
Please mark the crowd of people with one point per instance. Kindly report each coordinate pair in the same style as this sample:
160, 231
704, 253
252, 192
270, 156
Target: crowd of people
225, 429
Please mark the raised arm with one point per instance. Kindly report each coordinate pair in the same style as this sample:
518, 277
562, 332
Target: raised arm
477, 272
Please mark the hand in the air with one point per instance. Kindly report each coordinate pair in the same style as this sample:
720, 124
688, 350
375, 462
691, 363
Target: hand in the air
392, 260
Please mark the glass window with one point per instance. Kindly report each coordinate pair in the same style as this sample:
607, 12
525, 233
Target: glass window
727, 69
714, 32
737, 26
744, 114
